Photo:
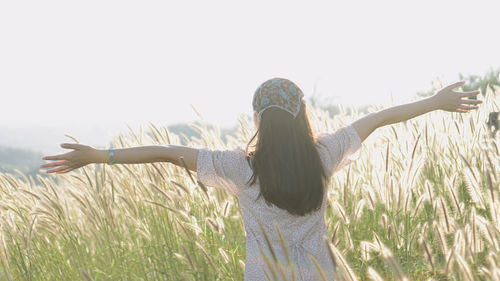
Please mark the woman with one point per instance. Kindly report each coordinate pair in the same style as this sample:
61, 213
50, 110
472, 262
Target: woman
280, 184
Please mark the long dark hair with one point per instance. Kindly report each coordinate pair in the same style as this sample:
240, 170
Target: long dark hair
286, 162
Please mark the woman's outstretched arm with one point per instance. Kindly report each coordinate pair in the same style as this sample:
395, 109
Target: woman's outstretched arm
445, 99
85, 154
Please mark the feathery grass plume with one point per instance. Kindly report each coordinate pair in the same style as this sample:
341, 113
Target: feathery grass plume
30, 193
473, 226
371, 195
387, 158
158, 171
373, 275
270, 265
449, 261
491, 165
188, 256
223, 253
163, 193
341, 212
442, 240
291, 266
390, 261
200, 184
226, 209
4, 253
445, 213
346, 273
492, 237
318, 268
214, 225
183, 163
162, 205
428, 253
187, 235
86, 275
181, 187
186, 276
464, 267
459, 242
407, 201
472, 183
268, 242
428, 188
490, 186
207, 256
450, 185
242, 264
335, 230
348, 239
365, 247
156, 133
419, 202
359, 209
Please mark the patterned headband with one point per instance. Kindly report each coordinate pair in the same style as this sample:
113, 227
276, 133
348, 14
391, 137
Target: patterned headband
278, 92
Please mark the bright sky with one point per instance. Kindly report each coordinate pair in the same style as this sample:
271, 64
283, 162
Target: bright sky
79, 63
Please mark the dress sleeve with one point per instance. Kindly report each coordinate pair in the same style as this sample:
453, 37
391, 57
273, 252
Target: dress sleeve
221, 168
340, 148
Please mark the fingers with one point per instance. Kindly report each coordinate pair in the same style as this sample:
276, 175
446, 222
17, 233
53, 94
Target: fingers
468, 94
461, 110
467, 107
55, 163
72, 145
61, 168
455, 85
64, 171
55, 157
472, 101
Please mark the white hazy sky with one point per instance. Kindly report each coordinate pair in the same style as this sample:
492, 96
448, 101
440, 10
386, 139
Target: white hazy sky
82, 63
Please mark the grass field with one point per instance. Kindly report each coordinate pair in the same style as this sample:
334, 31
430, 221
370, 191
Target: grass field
421, 203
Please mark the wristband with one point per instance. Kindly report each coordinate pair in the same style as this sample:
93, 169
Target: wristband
111, 158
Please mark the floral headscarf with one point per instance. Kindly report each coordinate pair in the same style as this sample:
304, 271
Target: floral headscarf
278, 92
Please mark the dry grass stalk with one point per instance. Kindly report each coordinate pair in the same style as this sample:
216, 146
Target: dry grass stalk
442, 240
86, 275
373, 275
391, 262
270, 265
335, 230
207, 256
450, 186
341, 212
223, 253
346, 271
214, 225
182, 187
464, 267
318, 268
285, 250
428, 253
188, 257
445, 213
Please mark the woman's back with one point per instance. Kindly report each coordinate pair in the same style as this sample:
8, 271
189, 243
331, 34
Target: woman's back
303, 235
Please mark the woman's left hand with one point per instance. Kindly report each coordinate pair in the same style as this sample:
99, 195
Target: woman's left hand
449, 100
79, 157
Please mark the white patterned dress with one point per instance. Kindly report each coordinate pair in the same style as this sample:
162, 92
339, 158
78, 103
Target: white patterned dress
228, 169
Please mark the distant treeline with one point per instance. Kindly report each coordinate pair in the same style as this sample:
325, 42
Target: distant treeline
24, 160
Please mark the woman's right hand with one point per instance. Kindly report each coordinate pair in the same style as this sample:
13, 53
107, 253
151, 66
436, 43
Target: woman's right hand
81, 155
449, 100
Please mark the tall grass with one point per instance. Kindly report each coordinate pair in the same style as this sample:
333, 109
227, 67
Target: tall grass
421, 202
